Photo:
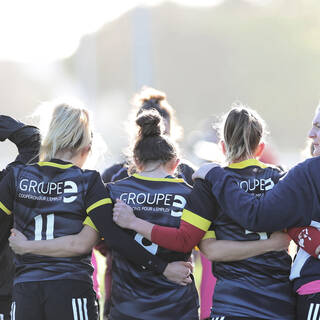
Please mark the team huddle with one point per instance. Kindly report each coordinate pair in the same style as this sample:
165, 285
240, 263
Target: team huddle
149, 212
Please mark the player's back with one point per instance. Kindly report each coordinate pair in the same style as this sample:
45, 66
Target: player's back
134, 289
49, 203
257, 287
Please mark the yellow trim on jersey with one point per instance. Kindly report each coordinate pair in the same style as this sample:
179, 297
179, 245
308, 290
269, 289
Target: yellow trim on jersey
88, 222
195, 220
56, 165
98, 204
247, 163
138, 176
4, 208
209, 235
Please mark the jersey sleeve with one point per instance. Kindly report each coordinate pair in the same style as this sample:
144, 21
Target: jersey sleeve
195, 221
99, 209
25, 137
185, 170
8, 126
307, 238
7, 194
114, 173
293, 201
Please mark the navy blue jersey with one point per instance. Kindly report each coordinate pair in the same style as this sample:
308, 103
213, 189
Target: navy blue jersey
257, 287
138, 293
293, 202
50, 200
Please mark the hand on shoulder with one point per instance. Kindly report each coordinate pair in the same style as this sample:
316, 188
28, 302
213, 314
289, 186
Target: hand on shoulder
203, 170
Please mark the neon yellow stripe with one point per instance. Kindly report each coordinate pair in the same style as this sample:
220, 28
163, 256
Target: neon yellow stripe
4, 208
89, 223
209, 235
138, 176
195, 220
98, 204
247, 163
56, 165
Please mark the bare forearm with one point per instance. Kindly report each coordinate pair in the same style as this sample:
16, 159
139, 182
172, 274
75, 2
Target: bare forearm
60, 247
143, 227
226, 250
67, 246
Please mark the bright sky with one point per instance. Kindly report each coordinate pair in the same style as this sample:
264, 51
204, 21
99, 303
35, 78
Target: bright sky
41, 31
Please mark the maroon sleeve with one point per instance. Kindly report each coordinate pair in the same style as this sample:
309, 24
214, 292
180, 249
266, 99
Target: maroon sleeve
307, 238
183, 239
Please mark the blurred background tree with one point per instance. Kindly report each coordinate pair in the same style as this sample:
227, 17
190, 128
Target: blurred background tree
203, 54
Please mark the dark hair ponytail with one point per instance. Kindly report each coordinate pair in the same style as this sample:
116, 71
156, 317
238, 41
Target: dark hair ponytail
150, 124
151, 144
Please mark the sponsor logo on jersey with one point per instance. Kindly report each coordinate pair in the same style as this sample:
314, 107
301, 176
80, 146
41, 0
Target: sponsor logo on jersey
41, 190
155, 202
256, 184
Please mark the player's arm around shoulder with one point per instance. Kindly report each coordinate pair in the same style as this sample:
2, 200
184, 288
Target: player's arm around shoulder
67, 246
229, 250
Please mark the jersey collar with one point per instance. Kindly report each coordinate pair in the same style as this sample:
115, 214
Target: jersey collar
57, 163
168, 179
247, 163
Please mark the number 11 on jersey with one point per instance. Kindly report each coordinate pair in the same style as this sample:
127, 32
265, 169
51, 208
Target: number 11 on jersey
38, 226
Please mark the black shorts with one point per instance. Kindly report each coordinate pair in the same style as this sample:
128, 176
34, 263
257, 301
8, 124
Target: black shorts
52, 300
5, 306
308, 306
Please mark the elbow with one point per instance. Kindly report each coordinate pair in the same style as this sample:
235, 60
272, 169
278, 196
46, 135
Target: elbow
185, 245
79, 248
210, 250
187, 248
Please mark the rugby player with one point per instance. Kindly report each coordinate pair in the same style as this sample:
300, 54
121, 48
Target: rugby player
148, 98
293, 202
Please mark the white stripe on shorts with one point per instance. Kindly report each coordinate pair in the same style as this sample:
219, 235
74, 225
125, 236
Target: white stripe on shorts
85, 310
316, 312
13, 311
74, 309
79, 307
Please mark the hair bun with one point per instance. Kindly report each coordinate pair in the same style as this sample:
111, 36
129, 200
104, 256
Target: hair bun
149, 123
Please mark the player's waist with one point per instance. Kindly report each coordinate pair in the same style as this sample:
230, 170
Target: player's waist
50, 273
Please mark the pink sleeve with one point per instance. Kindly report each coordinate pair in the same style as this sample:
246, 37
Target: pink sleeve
95, 275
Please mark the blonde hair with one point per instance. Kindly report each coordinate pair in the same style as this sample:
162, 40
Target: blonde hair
243, 129
69, 130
